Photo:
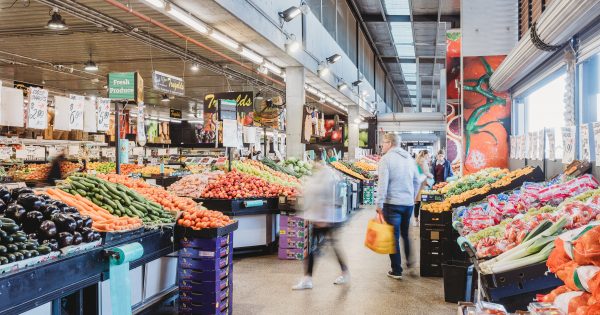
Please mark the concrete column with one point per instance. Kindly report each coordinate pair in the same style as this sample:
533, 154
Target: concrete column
295, 100
353, 123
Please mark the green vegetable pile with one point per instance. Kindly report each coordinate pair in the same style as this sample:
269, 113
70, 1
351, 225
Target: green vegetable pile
297, 166
117, 199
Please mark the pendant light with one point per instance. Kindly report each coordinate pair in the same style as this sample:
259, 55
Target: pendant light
90, 65
56, 21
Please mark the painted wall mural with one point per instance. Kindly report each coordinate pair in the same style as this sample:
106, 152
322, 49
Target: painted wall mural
486, 116
453, 113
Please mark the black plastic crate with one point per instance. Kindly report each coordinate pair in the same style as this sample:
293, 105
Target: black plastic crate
433, 219
431, 260
434, 233
455, 275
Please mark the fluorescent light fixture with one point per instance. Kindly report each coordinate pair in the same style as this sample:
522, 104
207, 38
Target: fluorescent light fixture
157, 3
223, 39
164, 119
273, 68
365, 93
251, 55
188, 19
175, 121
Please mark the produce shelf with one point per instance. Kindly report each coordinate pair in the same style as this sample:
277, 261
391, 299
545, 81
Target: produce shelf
240, 207
42, 283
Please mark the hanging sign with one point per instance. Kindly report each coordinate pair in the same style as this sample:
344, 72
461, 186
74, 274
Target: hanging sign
127, 86
108, 152
541, 142
61, 113
141, 125
103, 105
37, 109
168, 83
89, 116
175, 113
585, 142
11, 107
249, 134
230, 131
24, 86
568, 134
76, 112
551, 144
244, 101
523, 147
596, 126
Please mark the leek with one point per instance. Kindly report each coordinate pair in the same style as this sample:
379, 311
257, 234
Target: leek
541, 256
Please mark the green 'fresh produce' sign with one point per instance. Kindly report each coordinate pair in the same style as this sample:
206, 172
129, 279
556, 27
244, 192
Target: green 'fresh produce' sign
121, 86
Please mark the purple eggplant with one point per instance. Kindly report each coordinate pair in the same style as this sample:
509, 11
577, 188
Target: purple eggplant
15, 212
64, 239
87, 221
64, 223
32, 221
30, 202
3, 206
52, 243
18, 191
68, 209
77, 238
88, 234
48, 210
57, 203
5, 195
47, 229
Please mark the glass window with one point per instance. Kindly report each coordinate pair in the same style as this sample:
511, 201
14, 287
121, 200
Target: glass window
352, 39
342, 27
315, 7
329, 16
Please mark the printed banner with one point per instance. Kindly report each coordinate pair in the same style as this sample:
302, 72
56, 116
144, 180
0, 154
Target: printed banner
568, 134
513, 147
551, 144
585, 142
76, 112
454, 135
486, 116
61, 113
523, 147
37, 109
103, 113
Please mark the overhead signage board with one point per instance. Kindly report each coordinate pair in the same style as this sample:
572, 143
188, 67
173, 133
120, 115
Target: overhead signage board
37, 109
244, 101
167, 83
175, 113
227, 110
125, 86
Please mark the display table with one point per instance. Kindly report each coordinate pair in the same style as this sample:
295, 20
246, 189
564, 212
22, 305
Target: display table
257, 219
86, 275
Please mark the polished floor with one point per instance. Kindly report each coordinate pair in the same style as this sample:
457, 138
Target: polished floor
262, 285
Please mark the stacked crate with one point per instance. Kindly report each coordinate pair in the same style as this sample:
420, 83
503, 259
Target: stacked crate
293, 237
368, 197
206, 275
436, 242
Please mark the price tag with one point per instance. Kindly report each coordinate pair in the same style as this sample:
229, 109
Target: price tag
11, 111
6, 153
103, 116
162, 152
76, 111
139, 151
36, 153
74, 150
37, 110
108, 152
94, 152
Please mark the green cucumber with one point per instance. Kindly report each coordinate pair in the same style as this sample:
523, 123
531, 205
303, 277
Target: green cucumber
117, 213
11, 257
3, 260
82, 192
3, 250
44, 250
78, 185
110, 203
26, 254
18, 256
10, 227
34, 253
7, 220
12, 248
19, 237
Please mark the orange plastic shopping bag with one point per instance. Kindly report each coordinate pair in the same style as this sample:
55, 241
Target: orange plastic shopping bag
380, 236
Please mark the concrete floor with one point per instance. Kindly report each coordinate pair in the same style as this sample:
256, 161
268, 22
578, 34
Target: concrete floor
262, 285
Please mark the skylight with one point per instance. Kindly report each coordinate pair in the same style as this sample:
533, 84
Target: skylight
406, 51
402, 33
396, 7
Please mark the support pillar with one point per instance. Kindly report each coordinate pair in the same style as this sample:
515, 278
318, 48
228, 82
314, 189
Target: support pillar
353, 124
295, 100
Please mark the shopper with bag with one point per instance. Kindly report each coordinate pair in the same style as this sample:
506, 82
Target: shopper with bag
397, 187
325, 216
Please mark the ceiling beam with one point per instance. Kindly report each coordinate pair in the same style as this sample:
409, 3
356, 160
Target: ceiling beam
394, 59
454, 19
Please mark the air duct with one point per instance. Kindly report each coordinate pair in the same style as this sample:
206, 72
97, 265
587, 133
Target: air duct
561, 20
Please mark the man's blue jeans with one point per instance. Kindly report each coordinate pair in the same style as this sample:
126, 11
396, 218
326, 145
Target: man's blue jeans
399, 217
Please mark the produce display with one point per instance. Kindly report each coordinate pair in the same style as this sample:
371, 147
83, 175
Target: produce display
33, 225
192, 185
104, 221
576, 261
236, 184
154, 170
365, 165
156, 194
439, 186
473, 181
482, 188
196, 168
579, 211
266, 173
37, 172
117, 199
344, 169
358, 170
202, 218
273, 165
298, 166
110, 167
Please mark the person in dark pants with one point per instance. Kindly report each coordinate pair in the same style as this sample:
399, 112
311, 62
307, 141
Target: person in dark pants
325, 214
55, 172
398, 184
441, 168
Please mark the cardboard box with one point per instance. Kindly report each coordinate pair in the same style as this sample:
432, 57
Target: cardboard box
292, 253
204, 298
190, 252
206, 243
291, 222
294, 232
205, 275
204, 286
220, 307
286, 241
205, 264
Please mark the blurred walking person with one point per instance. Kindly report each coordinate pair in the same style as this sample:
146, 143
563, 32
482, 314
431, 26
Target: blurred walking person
397, 187
441, 169
326, 216
424, 170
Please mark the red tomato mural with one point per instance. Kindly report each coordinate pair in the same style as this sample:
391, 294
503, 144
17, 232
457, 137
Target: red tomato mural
486, 116
453, 115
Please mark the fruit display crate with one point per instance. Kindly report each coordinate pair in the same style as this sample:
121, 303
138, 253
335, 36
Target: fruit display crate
182, 232
238, 207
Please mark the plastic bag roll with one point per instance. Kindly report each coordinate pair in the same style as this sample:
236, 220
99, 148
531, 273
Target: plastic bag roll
120, 286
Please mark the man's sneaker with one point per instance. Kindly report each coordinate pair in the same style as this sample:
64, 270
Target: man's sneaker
304, 284
393, 275
344, 278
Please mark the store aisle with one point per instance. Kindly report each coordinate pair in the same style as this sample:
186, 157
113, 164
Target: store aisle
262, 285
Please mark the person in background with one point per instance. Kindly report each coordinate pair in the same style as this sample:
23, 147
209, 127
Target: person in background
321, 210
55, 172
441, 168
423, 161
331, 156
398, 184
